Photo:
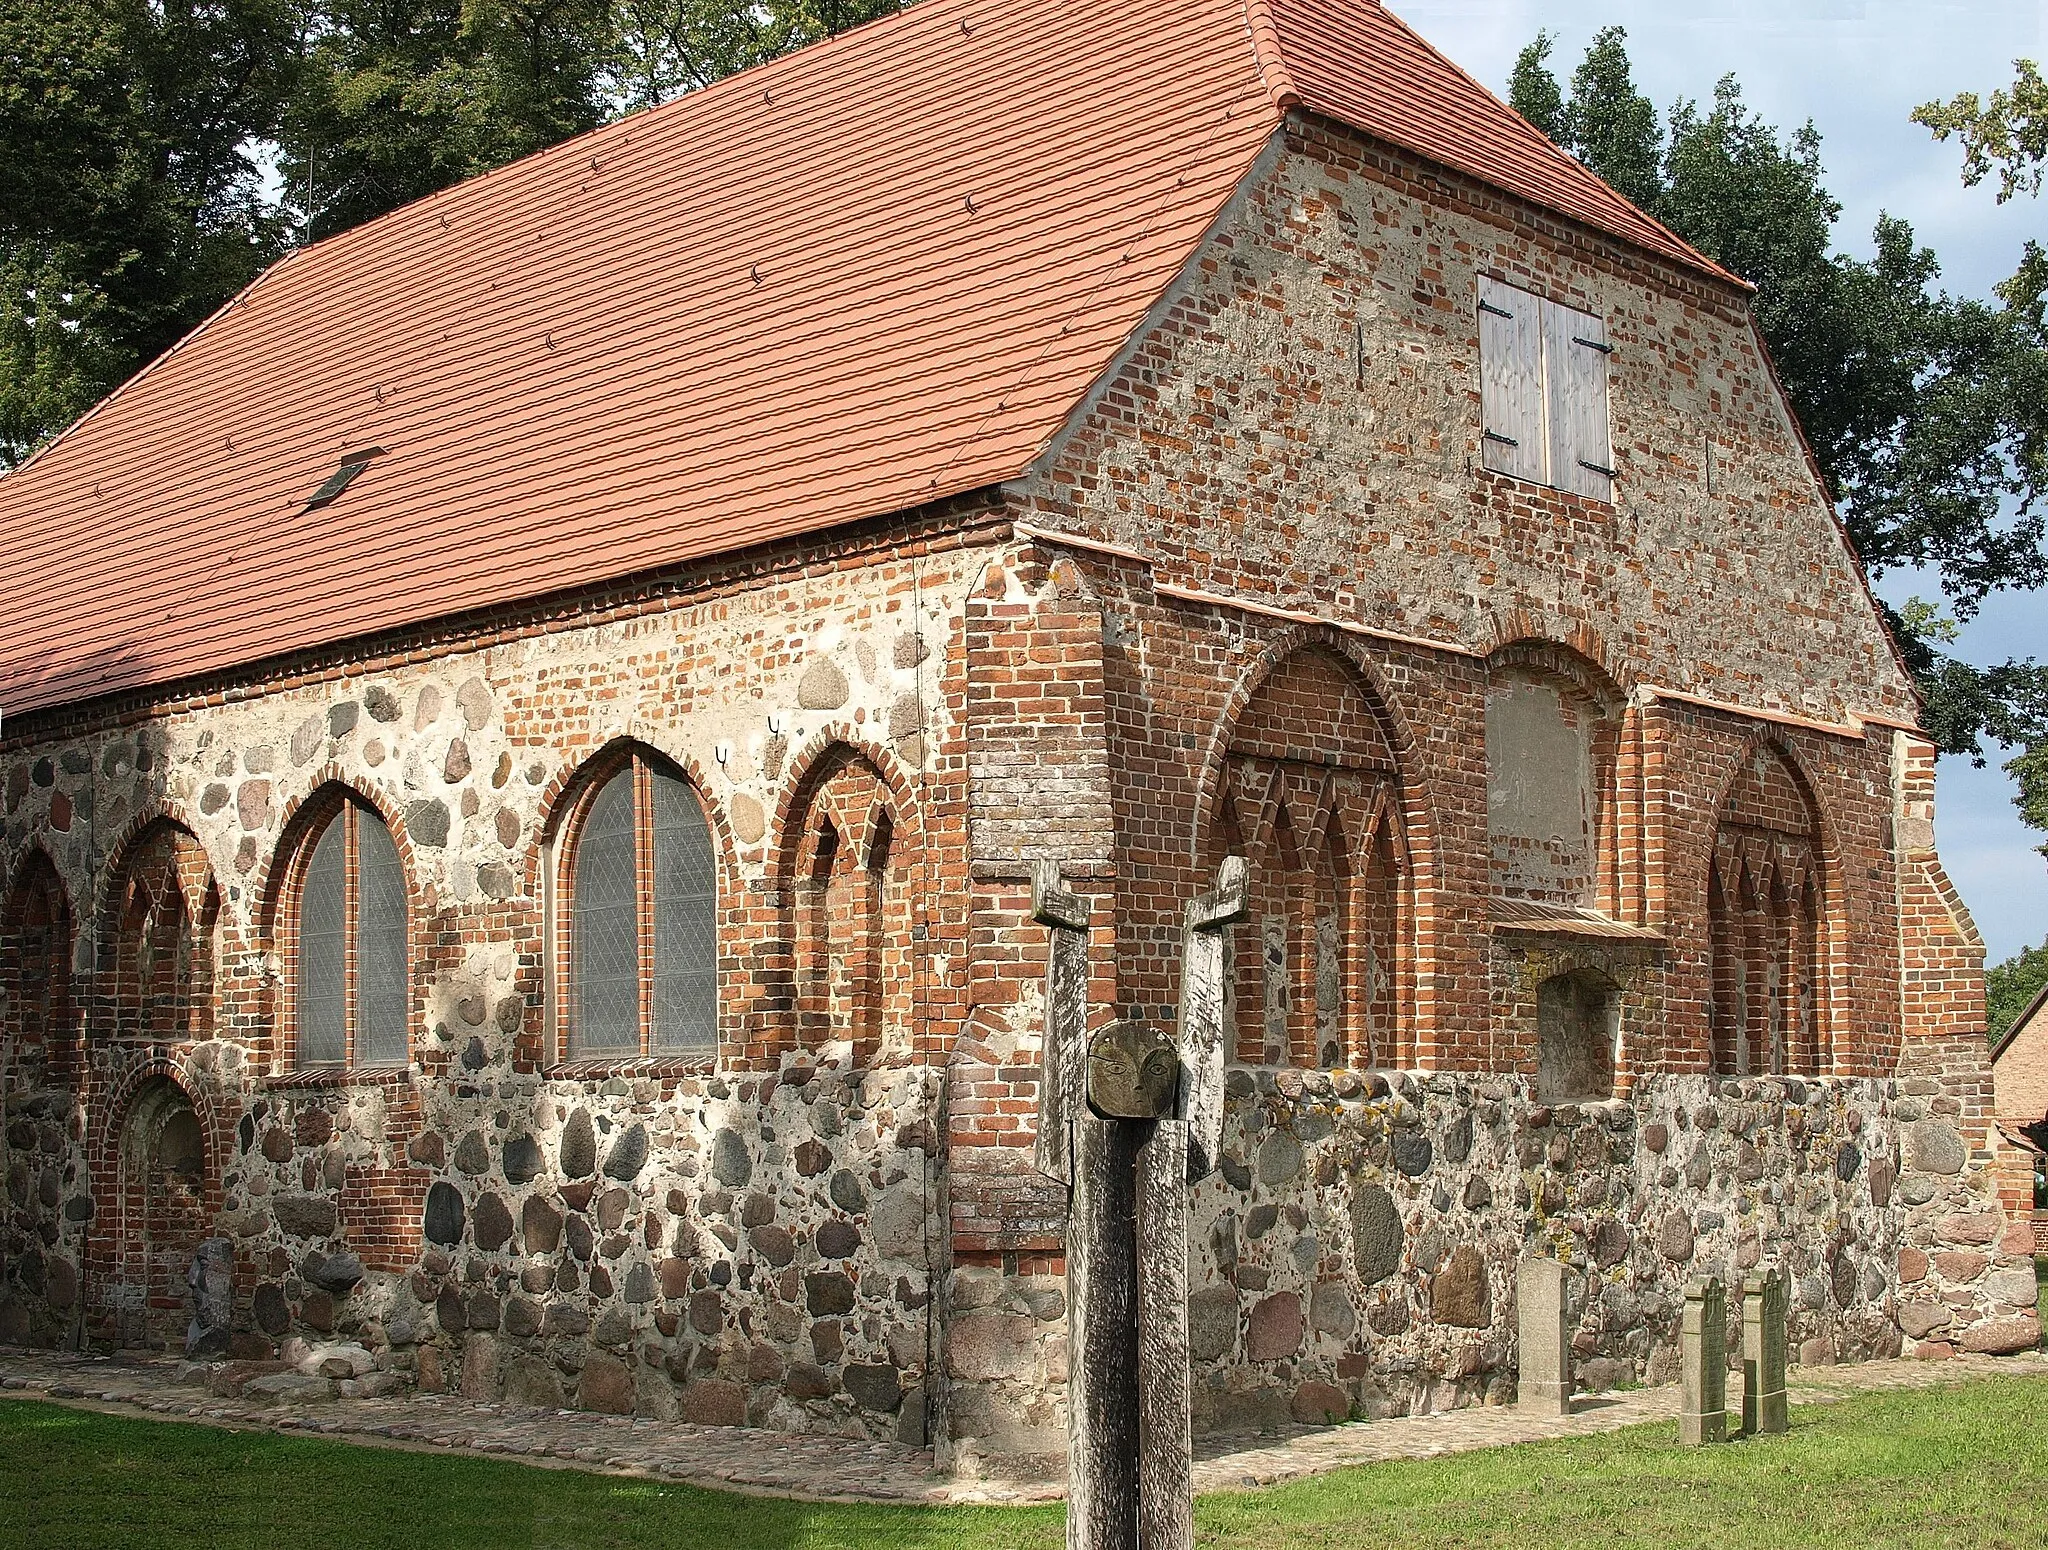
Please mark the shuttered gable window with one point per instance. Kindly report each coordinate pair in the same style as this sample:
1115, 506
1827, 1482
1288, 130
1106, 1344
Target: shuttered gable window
352, 963
1511, 372
1543, 391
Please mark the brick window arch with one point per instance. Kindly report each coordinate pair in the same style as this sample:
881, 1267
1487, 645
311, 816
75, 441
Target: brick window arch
349, 943
846, 908
639, 976
162, 941
1311, 798
1766, 916
35, 974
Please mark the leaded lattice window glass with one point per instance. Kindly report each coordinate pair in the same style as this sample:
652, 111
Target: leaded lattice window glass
685, 922
643, 913
381, 991
608, 923
323, 951
354, 997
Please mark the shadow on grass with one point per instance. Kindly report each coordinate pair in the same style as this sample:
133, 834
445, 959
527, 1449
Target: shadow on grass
74, 1478
1909, 1468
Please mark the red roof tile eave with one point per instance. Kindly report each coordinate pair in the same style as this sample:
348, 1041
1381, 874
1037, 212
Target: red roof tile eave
957, 511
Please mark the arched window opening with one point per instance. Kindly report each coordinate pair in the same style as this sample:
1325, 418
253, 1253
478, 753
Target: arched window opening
35, 975
1578, 1015
643, 919
1765, 913
352, 994
1310, 798
849, 914
163, 955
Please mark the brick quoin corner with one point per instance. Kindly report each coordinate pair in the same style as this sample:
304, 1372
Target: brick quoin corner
1596, 908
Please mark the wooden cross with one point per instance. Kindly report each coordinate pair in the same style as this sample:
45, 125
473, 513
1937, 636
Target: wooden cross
1126, 1145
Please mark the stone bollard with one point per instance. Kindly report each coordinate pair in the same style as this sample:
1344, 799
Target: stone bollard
212, 1279
1763, 1353
1703, 1364
1545, 1386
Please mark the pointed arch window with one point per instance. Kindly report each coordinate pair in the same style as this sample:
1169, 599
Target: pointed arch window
643, 919
352, 995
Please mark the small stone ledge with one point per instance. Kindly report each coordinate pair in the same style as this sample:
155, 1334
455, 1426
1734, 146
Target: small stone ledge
317, 1077
658, 1068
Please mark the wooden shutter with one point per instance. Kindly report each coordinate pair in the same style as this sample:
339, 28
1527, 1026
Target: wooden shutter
1511, 381
1575, 349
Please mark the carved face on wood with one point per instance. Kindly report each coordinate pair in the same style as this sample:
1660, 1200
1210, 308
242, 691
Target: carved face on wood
1133, 1072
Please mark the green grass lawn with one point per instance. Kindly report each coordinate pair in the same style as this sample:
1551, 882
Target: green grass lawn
1941, 1467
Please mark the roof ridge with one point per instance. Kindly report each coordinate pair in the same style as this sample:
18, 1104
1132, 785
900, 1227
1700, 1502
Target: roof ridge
1265, 33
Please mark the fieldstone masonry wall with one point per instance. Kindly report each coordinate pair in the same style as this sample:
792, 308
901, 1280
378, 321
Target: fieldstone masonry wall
743, 1241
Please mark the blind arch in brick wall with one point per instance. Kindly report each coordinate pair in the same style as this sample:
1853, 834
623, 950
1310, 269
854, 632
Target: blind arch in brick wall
1769, 923
1307, 783
158, 937
37, 940
844, 841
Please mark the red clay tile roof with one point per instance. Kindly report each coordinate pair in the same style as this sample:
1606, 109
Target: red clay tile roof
875, 273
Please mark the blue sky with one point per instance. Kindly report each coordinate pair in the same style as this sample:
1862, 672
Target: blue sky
1857, 68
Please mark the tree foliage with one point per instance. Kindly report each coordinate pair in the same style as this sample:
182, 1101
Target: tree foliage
135, 136
2009, 987
130, 205
1927, 413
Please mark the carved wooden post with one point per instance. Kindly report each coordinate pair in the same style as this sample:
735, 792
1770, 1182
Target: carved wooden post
1181, 1151
1096, 1160
1063, 1060
1126, 1123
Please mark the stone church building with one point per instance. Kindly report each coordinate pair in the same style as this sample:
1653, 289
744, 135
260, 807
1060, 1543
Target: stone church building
525, 737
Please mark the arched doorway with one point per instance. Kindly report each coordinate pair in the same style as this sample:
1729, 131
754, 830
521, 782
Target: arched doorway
161, 1218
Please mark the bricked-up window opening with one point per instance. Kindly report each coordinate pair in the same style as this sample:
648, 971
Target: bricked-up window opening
162, 947
848, 912
1552, 727
643, 919
1578, 1015
351, 1002
159, 1217
1543, 392
35, 976
1315, 976
1766, 913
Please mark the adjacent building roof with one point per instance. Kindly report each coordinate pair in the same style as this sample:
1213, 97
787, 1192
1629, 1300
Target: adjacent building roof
873, 274
2034, 1008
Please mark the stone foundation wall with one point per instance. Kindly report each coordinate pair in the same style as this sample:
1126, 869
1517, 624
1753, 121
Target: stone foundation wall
1355, 1253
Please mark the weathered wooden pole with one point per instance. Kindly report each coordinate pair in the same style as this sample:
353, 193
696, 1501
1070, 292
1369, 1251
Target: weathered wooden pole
1127, 1121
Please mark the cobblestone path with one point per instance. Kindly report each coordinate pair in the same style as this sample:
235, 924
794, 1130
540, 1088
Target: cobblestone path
842, 1469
